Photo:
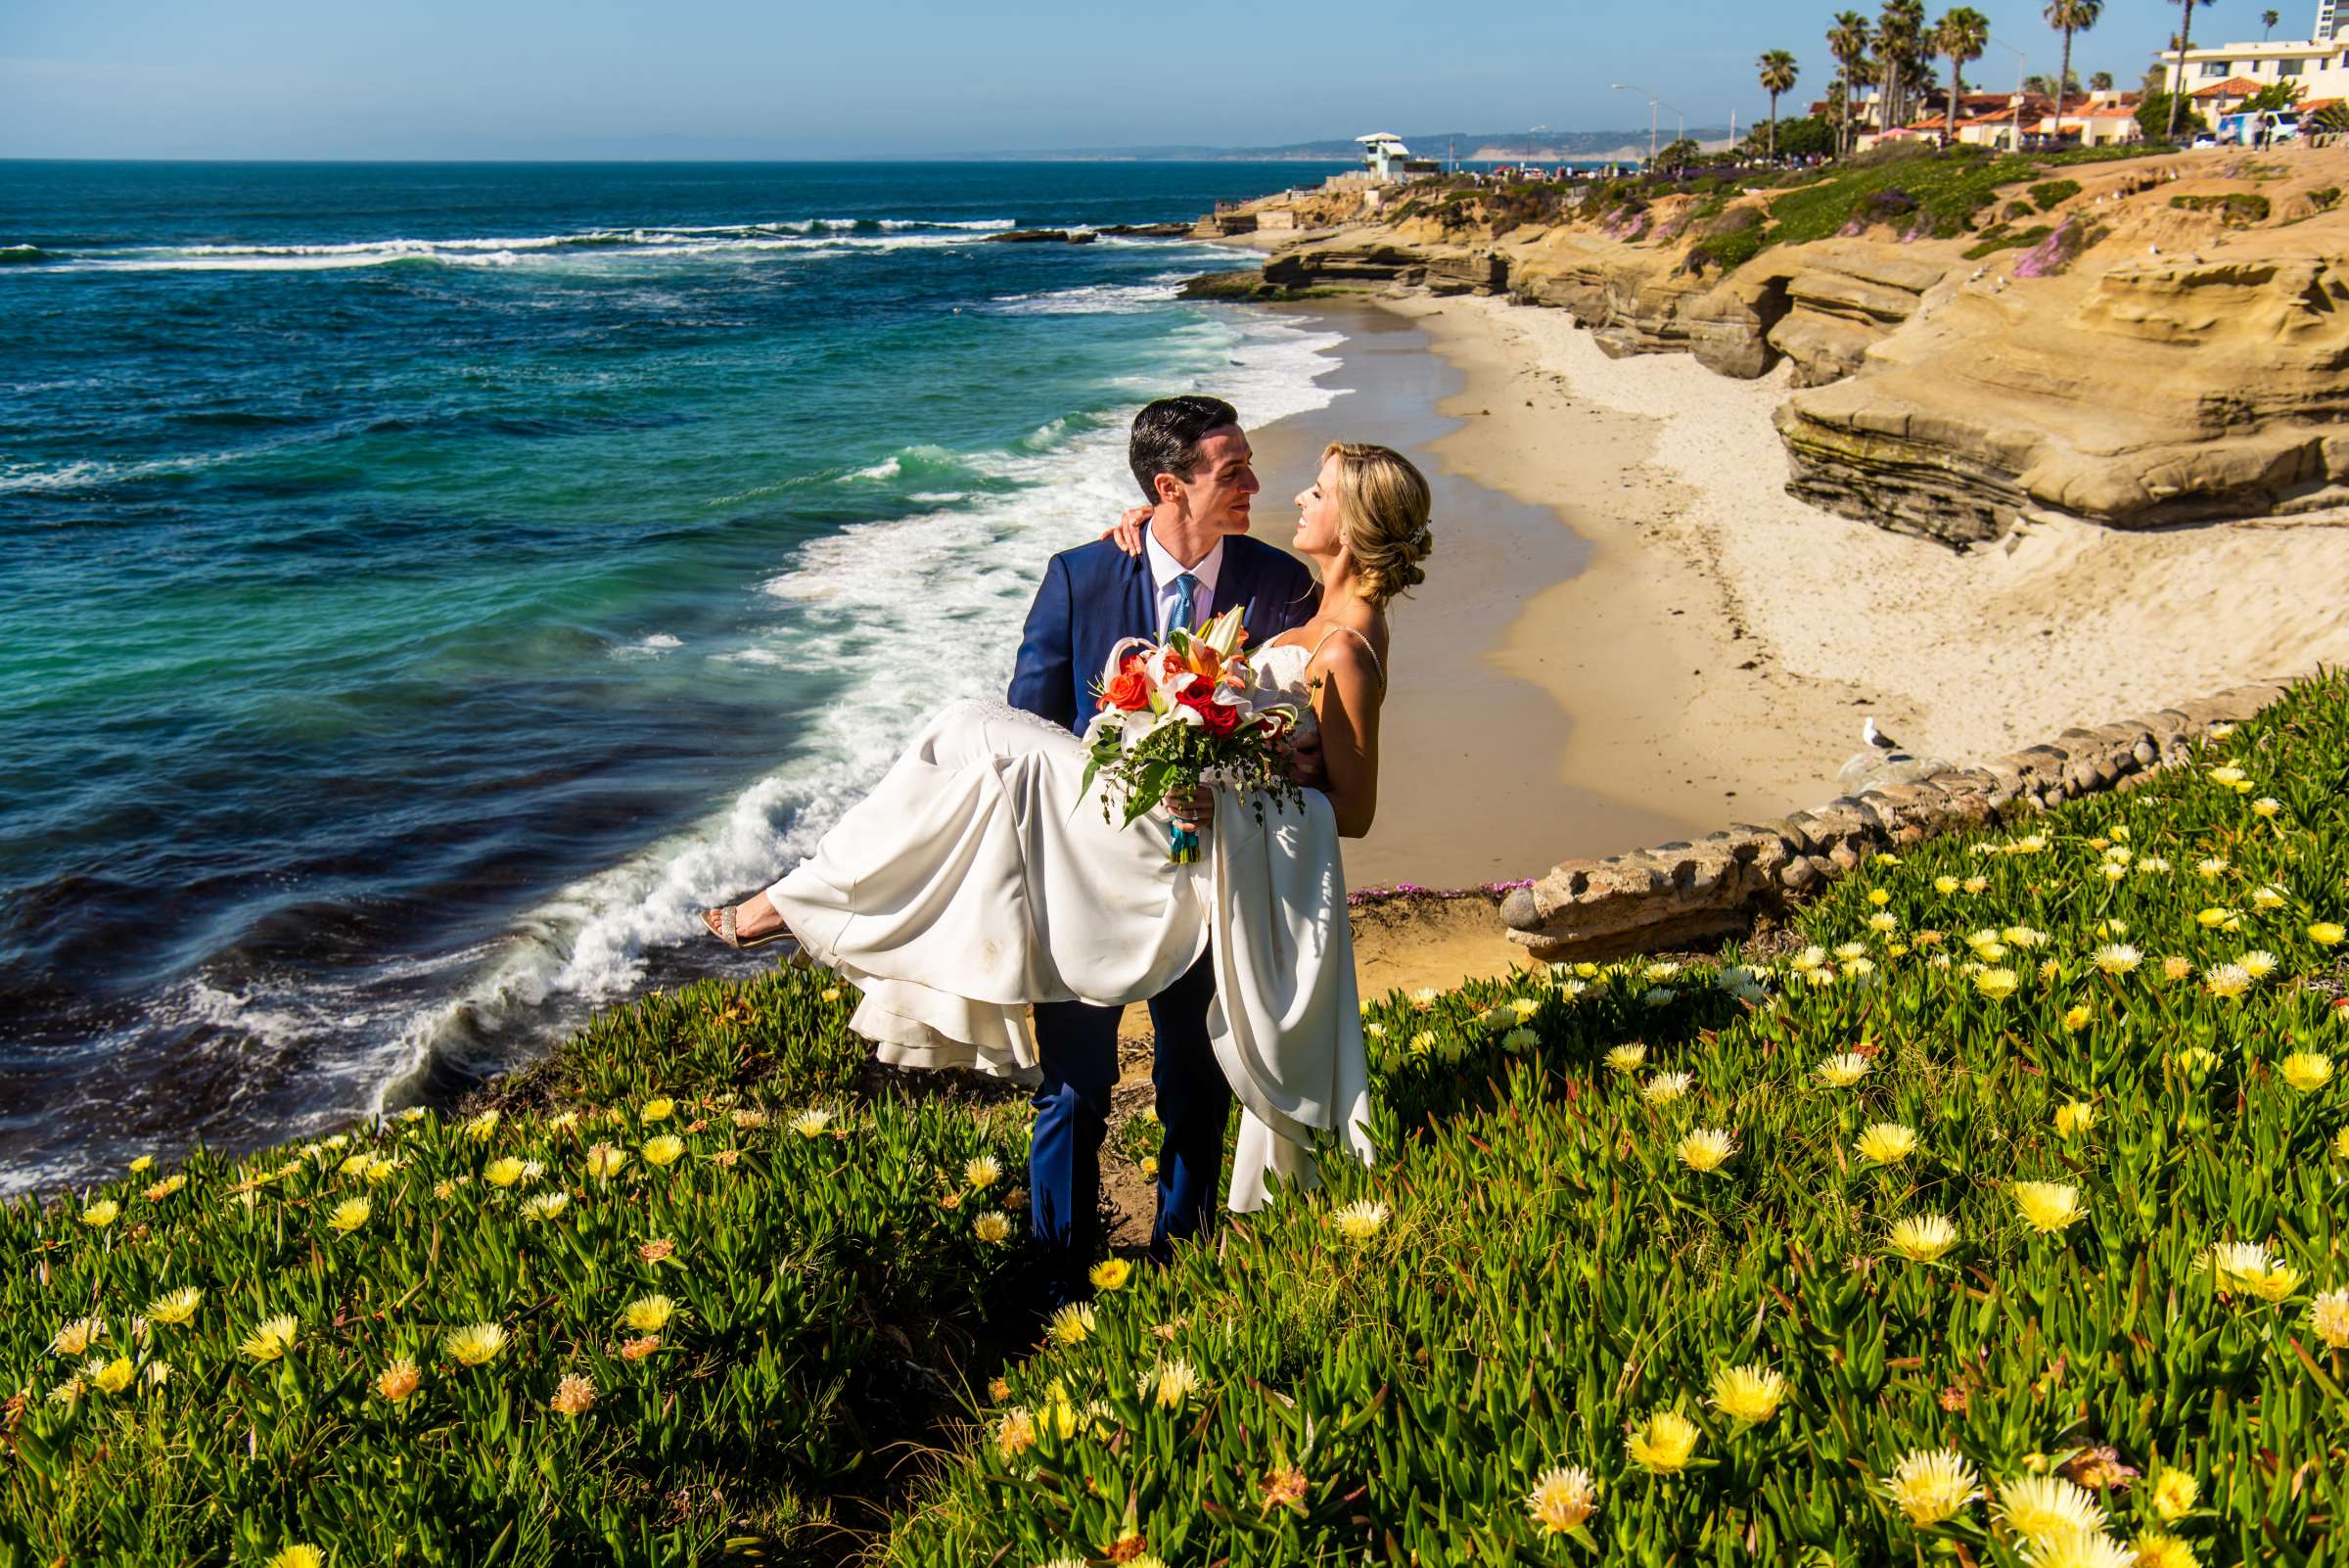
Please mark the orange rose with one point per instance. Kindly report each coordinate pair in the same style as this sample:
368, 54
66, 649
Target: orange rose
1129, 692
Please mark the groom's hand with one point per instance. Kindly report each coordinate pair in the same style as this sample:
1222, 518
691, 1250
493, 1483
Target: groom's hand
1194, 809
1306, 764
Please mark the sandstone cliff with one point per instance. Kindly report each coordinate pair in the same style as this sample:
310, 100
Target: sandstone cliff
2170, 345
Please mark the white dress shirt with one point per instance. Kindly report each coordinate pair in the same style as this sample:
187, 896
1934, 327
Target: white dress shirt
1164, 569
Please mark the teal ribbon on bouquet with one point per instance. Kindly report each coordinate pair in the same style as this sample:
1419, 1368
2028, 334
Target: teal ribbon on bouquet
1183, 843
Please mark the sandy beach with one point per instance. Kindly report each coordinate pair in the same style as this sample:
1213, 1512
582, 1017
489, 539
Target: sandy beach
1714, 653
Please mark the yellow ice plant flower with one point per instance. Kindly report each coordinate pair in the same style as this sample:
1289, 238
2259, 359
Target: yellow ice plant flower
1562, 1499
1844, 1069
2235, 1265
573, 1397
503, 1173
604, 1161
1976, 884
1525, 1007
1924, 1238
1846, 952
1072, 1324
175, 1307
2218, 917
2227, 981
1517, 1041
992, 1228
2176, 968
1705, 1149
78, 1336
2174, 1491
2258, 963
2328, 1318
1808, 958
2076, 1018
1627, 1058
476, 1344
662, 1150
349, 1215
142, 1165
1110, 1273
1749, 1394
545, 1206
1886, 1142
2043, 1508
1881, 921
398, 1380
981, 1172
1169, 1384
1665, 1088
2049, 1206
2308, 1071
1359, 1220
482, 1126
271, 1338
2268, 898
2117, 958
298, 1555
110, 1377
2073, 1118
1422, 1042
2212, 868
166, 1186
2155, 1548
811, 1121
1662, 1444
1995, 984
1015, 1432
658, 1109
2081, 1548
2326, 932
648, 1314
105, 1212
1932, 1485
1944, 885
2266, 806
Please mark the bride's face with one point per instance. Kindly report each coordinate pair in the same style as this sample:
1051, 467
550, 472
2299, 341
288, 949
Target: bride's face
1319, 533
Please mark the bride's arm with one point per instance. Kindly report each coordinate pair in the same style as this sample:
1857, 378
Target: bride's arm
1346, 704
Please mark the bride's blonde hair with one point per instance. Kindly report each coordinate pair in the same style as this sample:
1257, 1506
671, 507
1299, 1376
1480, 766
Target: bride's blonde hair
1382, 506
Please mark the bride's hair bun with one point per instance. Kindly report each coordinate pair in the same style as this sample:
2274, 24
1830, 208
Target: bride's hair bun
1382, 504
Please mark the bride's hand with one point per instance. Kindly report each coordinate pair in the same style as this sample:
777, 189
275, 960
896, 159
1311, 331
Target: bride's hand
1127, 529
1306, 764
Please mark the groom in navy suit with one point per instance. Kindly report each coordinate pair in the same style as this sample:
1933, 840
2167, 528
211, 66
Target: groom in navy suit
1192, 461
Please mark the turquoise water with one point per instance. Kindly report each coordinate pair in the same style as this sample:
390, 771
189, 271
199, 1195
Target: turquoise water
426, 586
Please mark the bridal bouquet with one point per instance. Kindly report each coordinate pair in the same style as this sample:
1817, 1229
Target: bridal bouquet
1175, 712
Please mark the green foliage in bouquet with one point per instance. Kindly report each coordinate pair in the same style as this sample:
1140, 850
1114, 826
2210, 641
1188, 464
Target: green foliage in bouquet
1999, 1221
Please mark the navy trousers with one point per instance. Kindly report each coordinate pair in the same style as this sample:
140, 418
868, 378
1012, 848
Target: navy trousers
1079, 1046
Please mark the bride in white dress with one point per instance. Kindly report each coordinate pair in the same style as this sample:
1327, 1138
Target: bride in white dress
980, 876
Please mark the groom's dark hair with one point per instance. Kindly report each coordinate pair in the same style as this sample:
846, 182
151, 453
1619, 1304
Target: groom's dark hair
1167, 435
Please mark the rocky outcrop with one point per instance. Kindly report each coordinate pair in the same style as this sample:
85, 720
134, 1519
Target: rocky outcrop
1686, 893
1442, 269
2149, 392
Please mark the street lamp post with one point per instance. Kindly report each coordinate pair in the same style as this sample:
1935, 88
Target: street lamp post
2019, 67
1652, 100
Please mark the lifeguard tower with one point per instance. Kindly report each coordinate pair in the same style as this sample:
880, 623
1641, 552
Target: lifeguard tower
1384, 155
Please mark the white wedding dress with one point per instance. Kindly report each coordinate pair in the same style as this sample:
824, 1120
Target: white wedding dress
979, 877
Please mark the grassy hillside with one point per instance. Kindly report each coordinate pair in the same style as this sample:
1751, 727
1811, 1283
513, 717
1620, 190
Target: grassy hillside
1998, 1218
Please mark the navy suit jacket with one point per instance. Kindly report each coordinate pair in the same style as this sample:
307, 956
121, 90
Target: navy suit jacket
1096, 594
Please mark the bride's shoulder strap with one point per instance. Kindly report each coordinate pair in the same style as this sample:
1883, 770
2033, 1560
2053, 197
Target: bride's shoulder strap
1366, 648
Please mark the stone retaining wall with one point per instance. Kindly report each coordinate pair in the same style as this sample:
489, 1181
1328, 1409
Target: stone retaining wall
1687, 893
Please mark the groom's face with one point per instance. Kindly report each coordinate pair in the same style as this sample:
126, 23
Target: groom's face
1223, 483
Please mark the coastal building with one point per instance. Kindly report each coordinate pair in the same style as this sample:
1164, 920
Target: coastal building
1384, 156
2219, 76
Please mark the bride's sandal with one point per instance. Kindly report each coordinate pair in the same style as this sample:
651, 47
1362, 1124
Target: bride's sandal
722, 928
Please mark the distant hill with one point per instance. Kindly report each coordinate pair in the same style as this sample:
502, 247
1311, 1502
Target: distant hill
1471, 146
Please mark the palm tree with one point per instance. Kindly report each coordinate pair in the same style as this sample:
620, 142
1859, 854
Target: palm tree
2069, 17
2185, 41
2267, 24
1960, 34
1848, 41
1779, 70
2101, 82
1900, 28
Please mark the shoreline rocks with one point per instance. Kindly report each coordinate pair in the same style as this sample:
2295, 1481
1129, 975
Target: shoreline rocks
1692, 892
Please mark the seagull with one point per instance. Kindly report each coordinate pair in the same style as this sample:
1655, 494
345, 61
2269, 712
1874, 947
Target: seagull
1873, 736
2152, 249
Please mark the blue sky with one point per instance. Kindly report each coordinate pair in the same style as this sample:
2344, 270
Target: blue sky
785, 79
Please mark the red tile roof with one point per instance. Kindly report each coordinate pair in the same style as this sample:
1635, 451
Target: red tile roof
2232, 87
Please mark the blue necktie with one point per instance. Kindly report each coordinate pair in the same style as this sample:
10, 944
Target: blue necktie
1184, 587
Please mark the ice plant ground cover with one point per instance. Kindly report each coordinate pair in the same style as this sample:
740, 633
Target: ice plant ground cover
626, 1324
2000, 1224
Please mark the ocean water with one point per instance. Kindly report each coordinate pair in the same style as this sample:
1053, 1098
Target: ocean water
423, 588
